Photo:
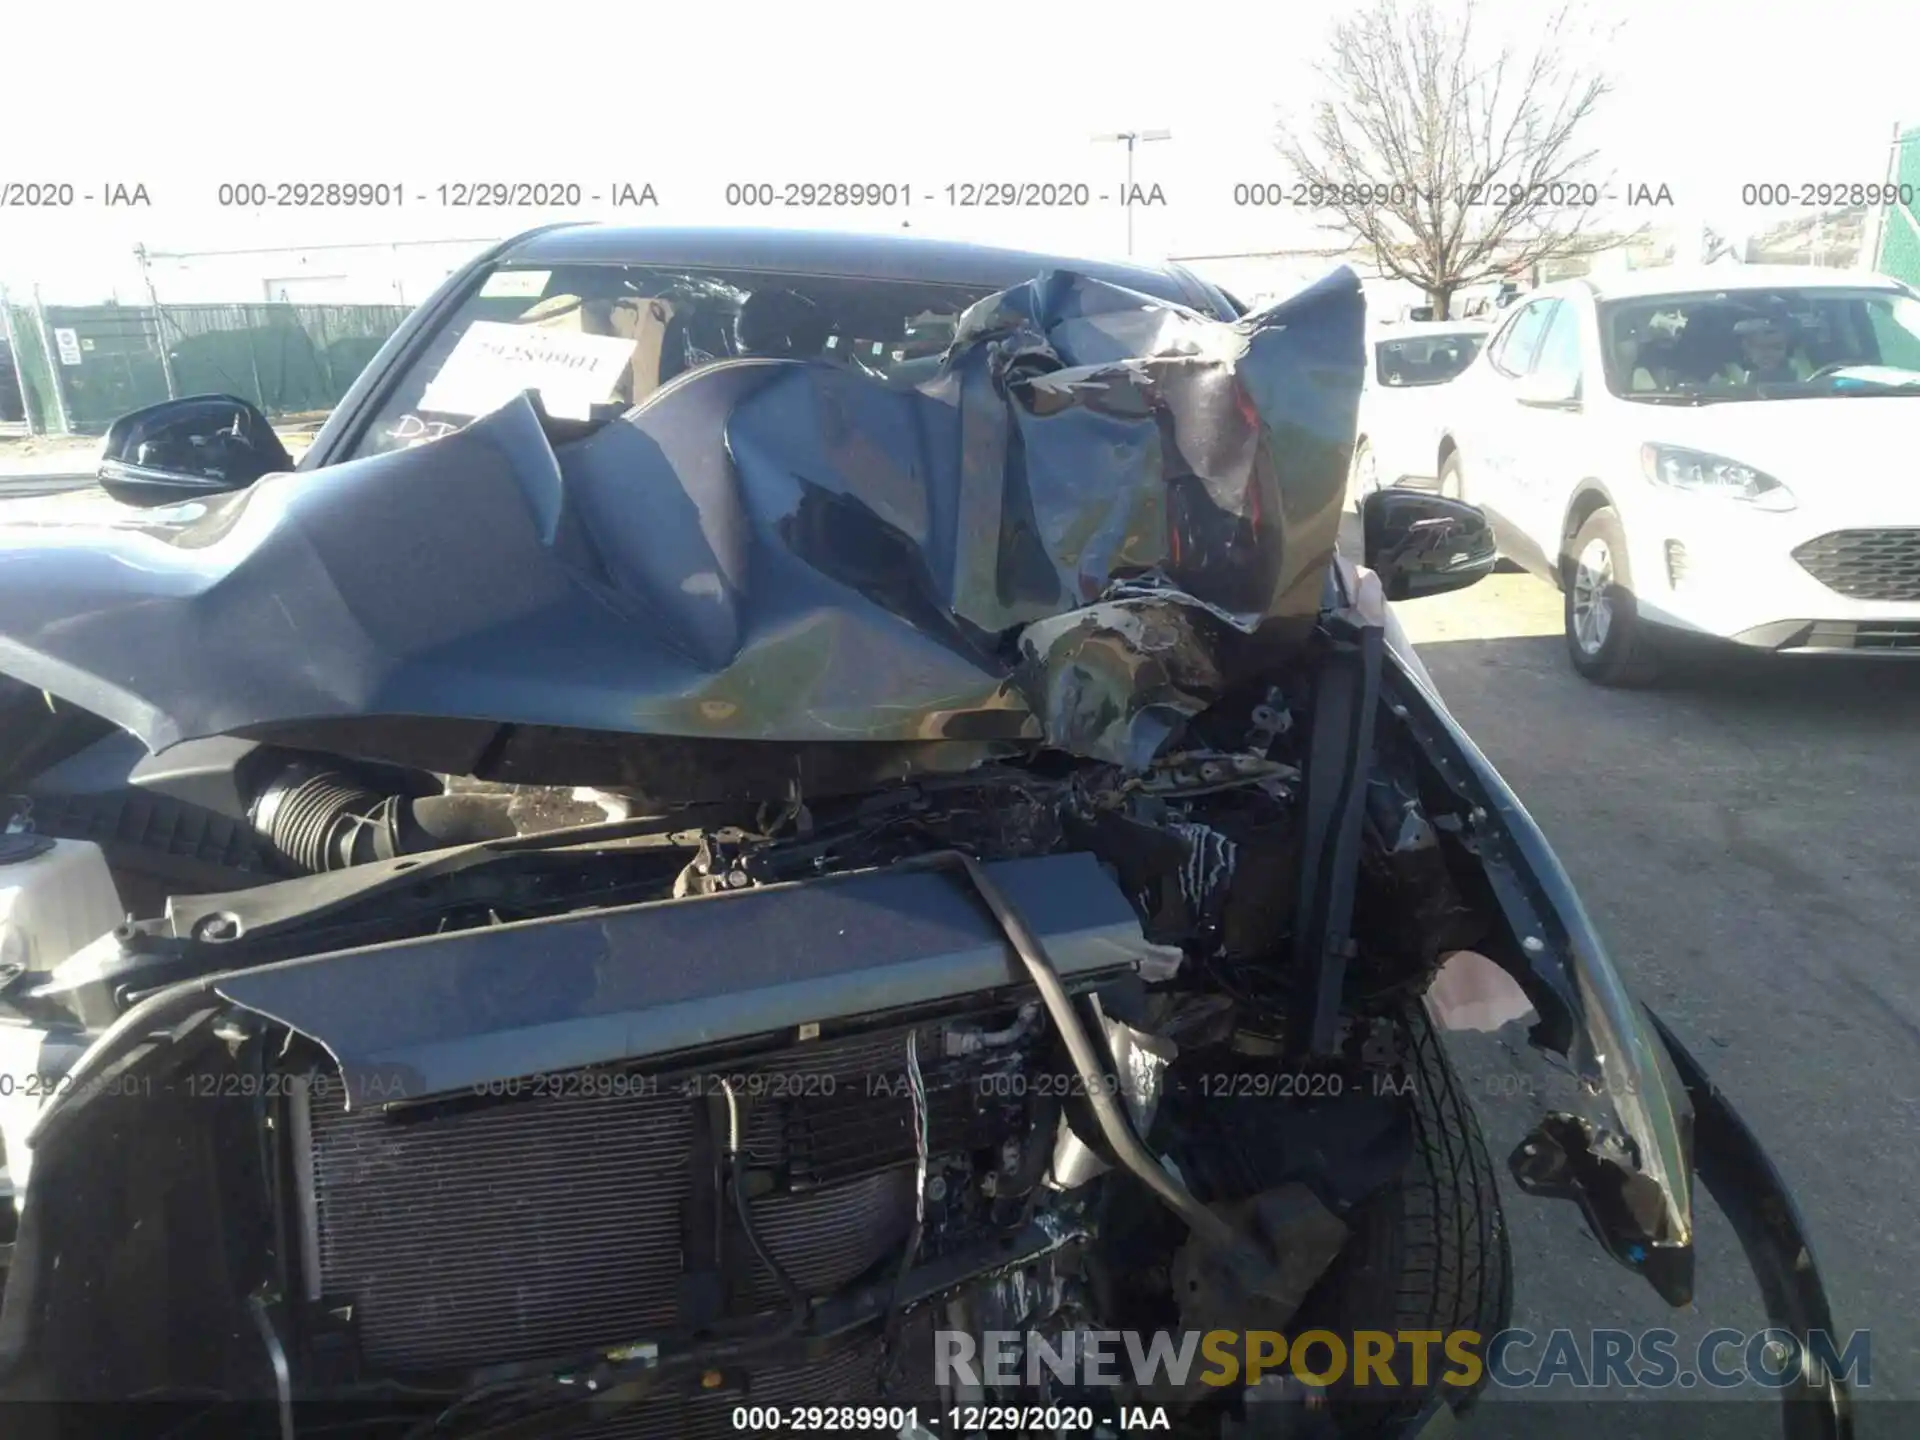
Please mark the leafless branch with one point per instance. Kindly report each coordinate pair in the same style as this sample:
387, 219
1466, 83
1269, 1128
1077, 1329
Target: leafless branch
1445, 160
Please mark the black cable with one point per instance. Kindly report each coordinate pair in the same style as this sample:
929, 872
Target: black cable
736, 1146
547, 1421
1113, 1121
555, 1390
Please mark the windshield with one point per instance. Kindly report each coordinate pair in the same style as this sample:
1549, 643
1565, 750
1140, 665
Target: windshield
1425, 359
595, 340
1762, 344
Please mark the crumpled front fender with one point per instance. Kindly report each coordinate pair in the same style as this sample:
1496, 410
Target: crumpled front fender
1646, 1120
1624, 1149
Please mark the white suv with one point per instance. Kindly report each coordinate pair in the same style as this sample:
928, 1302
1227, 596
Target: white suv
1733, 453
1404, 401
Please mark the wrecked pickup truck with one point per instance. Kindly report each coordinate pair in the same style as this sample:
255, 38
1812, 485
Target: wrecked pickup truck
755, 799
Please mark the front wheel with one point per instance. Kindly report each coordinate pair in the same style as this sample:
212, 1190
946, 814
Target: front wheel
1453, 477
1606, 639
1427, 1254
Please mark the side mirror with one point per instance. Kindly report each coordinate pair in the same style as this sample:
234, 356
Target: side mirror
1425, 544
1550, 392
183, 449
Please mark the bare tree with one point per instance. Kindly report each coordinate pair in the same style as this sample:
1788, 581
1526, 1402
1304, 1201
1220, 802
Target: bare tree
1449, 161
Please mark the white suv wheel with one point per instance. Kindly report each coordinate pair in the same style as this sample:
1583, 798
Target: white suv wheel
1592, 596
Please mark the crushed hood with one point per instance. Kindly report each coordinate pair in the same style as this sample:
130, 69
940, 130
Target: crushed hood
1099, 513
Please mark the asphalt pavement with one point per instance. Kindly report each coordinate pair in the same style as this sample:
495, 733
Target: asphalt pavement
27, 487
45, 472
1744, 836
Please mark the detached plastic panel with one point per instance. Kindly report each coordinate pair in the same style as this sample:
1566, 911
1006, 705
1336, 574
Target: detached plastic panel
443, 1014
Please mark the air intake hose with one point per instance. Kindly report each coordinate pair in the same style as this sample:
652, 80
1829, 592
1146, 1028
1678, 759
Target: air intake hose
317, 819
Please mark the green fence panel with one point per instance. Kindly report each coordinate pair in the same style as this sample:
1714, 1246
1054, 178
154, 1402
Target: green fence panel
1900, 230
287, 359
119, 367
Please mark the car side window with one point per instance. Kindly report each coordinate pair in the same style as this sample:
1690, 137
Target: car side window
1514, 347
1559, 354
1896, 343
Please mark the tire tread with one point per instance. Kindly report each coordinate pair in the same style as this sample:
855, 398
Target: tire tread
1431, 1255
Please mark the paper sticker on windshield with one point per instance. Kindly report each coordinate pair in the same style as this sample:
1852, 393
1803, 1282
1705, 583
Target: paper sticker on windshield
507, 284
494, 362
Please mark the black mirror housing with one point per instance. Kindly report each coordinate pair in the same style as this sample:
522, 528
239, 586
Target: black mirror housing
1422, 544
183, 449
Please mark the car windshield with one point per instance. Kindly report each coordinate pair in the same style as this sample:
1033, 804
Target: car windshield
592, 341
1762, 344
1425, 359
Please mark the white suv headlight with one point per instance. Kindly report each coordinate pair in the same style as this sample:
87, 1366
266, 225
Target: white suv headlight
1703, 474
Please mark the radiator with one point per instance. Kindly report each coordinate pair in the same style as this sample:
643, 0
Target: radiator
540, 1226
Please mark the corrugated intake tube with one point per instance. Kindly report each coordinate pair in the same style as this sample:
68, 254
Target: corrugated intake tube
318, 819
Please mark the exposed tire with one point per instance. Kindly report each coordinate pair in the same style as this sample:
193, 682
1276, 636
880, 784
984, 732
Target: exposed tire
1430, 1254
1453, 477
1607, 641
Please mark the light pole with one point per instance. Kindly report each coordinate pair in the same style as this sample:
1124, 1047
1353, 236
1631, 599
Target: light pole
140, 253
1131, 137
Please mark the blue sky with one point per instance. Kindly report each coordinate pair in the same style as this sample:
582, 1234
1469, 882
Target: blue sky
1710, 96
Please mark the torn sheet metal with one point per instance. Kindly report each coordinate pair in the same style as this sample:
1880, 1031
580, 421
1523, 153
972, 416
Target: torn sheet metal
765, 550
1116, 680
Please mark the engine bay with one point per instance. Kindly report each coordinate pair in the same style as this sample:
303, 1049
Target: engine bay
630, 1101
